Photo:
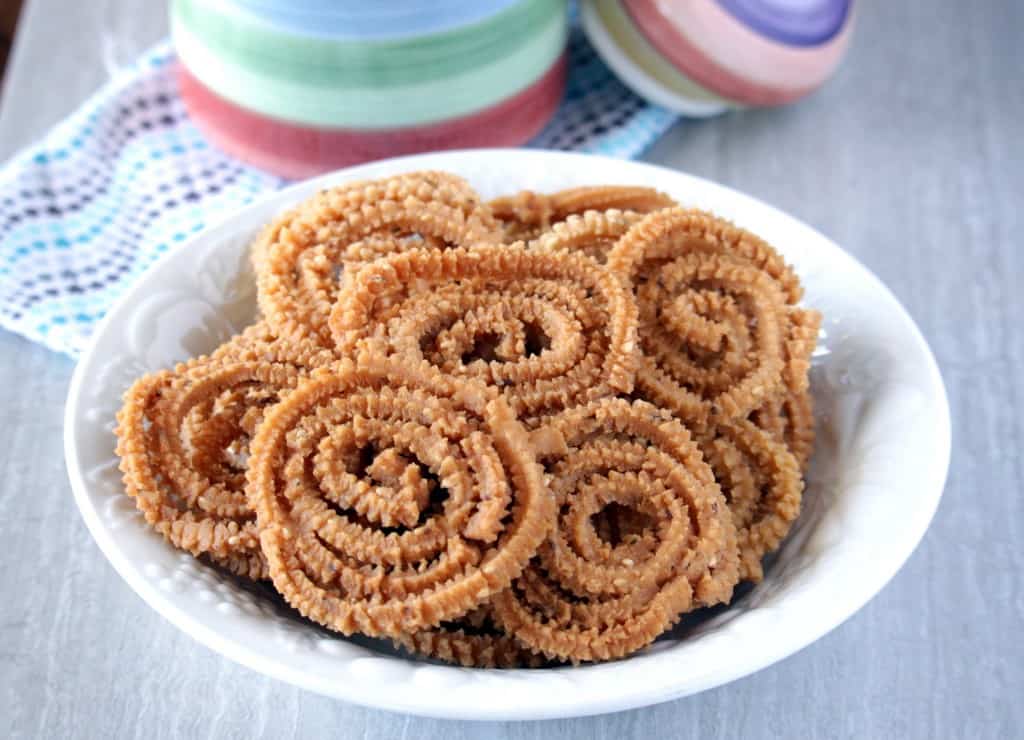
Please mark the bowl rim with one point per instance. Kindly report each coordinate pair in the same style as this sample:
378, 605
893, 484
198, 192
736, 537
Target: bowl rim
626, 696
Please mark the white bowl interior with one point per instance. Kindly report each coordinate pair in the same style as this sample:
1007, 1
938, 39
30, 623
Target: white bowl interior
876, 478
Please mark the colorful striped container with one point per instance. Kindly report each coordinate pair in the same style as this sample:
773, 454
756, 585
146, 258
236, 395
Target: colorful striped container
308, 86
702, 57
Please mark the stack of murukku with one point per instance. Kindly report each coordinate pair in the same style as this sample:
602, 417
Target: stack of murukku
534, 430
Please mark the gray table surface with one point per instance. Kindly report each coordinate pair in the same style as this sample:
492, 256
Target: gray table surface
912, 158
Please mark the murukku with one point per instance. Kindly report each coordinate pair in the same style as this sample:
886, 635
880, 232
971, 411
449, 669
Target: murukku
669, 234
714, 308
586, 597
527, 215
548, 329
711, 334
301, 261
389, 501
789, 417
472, 642
493, 454
183, 440
593, 233
761, 481
260, 343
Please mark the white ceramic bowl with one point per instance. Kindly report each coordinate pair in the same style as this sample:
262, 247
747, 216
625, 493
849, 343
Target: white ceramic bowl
878, 473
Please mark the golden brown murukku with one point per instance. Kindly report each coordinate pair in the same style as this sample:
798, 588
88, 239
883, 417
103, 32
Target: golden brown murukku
715, 315
585, 597
789, 416
260, 343
711, 334
527, 215
593, 233
549, 329
669, 234
472, 642
761, 481
183, 442
300, 262
373, 443
355, 447
789, 419
604, 197
801, 340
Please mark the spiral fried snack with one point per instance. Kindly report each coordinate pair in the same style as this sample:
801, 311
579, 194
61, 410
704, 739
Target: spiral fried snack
527, 215
301, 259
390, 502
373, 443
473, 642
260, 343
715, 313
789, 417
666, 235
593, 233
183, 440
585, 597
761, 481
549, 329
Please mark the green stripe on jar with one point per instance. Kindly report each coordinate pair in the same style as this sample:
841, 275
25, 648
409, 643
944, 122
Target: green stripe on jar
243, 40
469, 89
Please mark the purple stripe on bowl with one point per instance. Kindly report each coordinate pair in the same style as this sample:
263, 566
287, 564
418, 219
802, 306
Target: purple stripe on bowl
794, 22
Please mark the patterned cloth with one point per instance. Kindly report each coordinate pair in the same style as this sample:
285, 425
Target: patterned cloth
128, 177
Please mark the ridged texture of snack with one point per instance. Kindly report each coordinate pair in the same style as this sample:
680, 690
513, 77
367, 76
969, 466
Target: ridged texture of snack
495, 454
593, 233
548, 329
527, 215
789, 416
474, 641
183, 440
260, 343
761, 480
631, 471
716, 320
302, 259
329, 461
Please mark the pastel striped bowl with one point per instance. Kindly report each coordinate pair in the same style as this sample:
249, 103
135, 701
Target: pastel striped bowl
701, 57
366, 80
360, 19
642, 67
296, 151
355, 84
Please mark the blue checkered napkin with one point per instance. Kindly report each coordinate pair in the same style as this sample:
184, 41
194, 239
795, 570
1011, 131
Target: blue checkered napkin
128, 177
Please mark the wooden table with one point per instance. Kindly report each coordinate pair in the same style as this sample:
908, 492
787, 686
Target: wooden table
912, 158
